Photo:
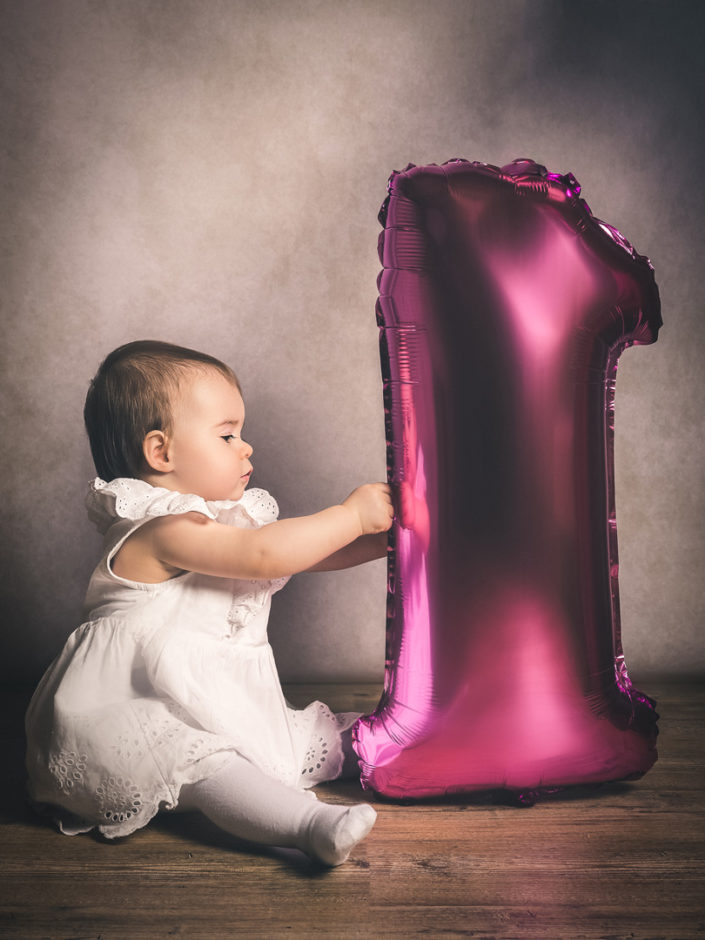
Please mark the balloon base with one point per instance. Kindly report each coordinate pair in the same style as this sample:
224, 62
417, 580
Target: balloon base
523, 799
511, 744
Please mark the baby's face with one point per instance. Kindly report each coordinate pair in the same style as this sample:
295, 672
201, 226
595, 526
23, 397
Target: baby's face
209, 456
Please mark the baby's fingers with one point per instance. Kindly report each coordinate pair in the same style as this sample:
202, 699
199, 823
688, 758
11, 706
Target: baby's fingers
388, 505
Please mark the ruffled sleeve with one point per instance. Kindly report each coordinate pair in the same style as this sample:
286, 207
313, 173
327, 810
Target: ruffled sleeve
125, 498
256, 508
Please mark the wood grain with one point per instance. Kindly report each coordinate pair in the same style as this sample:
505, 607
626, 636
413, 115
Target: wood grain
623, 861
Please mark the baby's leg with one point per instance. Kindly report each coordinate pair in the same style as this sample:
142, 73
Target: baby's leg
250, 805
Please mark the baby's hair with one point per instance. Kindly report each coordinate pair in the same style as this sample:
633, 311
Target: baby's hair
131, 395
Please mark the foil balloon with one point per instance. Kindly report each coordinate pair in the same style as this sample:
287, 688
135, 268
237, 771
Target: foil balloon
504, 306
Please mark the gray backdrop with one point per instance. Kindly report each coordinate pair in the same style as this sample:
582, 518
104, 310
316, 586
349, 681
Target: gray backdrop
209, 172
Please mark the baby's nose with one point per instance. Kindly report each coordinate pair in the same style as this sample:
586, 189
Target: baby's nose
247, 448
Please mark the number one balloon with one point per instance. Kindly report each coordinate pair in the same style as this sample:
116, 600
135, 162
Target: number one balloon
504, 306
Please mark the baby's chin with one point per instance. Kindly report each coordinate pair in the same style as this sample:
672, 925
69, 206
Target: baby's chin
239, 491
224, 496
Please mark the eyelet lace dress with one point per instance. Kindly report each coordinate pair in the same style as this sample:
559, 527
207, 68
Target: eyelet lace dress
163, 682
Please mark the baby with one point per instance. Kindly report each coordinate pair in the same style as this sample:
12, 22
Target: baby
167, 695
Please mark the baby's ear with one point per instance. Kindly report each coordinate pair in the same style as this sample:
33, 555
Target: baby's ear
156, 451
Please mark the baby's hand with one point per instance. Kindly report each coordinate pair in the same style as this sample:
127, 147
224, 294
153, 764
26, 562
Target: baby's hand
373, 505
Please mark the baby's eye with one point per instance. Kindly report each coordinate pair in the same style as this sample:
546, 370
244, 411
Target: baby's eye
228, 437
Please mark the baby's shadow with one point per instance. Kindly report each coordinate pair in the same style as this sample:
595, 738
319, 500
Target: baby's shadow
195, 828
14, 807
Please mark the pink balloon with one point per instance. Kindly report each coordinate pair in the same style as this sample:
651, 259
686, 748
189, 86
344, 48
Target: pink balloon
504, 306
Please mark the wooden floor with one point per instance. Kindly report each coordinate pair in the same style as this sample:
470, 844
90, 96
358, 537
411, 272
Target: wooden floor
624, 861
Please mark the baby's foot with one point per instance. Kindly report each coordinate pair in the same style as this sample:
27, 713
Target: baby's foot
331, 840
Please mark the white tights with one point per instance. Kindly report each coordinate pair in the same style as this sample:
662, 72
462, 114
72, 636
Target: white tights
245, 802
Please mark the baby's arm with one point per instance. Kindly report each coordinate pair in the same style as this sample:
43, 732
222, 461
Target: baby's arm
365, 548
192, 542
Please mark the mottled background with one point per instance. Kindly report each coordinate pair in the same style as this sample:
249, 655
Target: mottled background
209, 172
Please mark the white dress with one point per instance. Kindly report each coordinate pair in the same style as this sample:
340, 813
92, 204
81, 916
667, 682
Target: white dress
163, 682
